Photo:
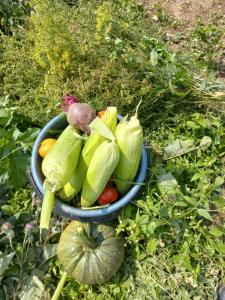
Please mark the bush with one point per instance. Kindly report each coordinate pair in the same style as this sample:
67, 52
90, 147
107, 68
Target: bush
12, 13
105, 54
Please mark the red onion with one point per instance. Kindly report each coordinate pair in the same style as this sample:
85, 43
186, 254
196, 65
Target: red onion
80, 115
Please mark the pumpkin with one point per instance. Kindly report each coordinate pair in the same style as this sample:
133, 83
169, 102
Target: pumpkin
91, 253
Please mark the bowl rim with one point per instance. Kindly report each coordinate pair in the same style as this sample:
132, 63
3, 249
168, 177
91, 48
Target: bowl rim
62, 208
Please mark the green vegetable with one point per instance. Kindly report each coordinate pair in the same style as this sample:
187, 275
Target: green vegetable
91, 253
101, 167
58, 166
60, 162
75, 183
129, 136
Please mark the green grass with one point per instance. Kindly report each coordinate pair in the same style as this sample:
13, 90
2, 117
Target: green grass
175, 235
111, 54
174, 231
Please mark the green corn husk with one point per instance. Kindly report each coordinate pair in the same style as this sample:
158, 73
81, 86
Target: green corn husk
58, 166
72, 188
102, 165
129, 136
60, 162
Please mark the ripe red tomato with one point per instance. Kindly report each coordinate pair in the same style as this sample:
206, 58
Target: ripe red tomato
110, 194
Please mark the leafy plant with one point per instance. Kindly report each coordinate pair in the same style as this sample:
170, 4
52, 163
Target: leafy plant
105, 53
175, 231
208, 43
12, 14
110, 53
178, 227
15, 148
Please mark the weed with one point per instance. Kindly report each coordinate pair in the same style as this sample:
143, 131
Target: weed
108, 53
103, 53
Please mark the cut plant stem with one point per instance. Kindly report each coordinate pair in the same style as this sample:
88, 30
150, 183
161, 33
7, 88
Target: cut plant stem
46, 209
59, 287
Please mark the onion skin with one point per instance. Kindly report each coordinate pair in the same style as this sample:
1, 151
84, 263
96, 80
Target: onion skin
80, 115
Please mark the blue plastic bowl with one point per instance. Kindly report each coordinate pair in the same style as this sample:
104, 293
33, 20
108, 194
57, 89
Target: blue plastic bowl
69, 212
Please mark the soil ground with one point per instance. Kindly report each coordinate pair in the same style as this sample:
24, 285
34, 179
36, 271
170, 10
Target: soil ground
188, 11
180, 18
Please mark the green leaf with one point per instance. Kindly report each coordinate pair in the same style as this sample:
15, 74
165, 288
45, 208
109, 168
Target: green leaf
151, 227
154, 57
137, 219
177, 148
127, 211
218, 181
196, 176
99, 126
49, 251
80, 137
144, 219
190, 200
116, 290
4, 176
30, 135
180, 204
192, 124
33, 289
151, 246
6, 116
5, 260
220, 247
19, 161
205, 142
209, 161
167, 183
201, 120
219, 200
217, 231
204, 213
183, 260
118, 41
163, 211
16, 134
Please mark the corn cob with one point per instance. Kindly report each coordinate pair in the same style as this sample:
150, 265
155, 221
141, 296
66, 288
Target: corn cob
101, 167
60, 162
72, 188
58, 166
129, 136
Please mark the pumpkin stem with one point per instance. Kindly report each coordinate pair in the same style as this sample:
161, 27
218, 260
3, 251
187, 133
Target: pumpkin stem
86, 240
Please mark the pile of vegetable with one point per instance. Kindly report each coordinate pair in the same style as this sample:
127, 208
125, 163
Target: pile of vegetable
94, 160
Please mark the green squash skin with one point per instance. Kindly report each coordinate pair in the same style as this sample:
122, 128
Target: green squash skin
91, 263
